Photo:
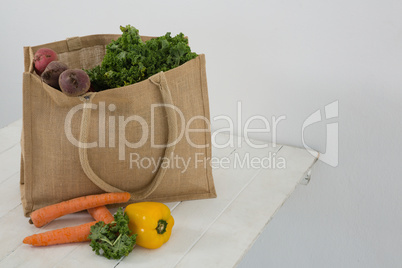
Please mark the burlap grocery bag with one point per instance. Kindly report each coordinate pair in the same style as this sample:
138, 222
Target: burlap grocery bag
151, 139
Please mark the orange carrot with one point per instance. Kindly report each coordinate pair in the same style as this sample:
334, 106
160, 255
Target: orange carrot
45, 215
101, 214
65, 235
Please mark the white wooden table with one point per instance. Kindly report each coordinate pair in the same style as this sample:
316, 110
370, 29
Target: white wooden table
207, 233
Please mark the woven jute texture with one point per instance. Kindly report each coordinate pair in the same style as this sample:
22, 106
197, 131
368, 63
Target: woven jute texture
151, 139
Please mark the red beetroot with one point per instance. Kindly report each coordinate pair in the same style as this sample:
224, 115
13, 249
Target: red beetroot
42, 58
74, 82
52, 72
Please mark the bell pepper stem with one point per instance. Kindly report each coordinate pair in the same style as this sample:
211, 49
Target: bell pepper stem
161, 228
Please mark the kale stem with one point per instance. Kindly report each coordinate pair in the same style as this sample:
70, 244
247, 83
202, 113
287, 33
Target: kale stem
116, 239
107, 241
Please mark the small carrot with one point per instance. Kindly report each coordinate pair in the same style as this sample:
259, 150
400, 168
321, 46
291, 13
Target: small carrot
101, 214
45, 215
65, 235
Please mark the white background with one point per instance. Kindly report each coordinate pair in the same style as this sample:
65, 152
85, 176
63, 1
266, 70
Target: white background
278, 58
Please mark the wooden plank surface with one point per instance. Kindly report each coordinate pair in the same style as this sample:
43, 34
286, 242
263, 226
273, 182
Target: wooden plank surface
207, 233
10, 135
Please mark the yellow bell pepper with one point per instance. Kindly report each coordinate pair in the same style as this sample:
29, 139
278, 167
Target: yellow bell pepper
151, 221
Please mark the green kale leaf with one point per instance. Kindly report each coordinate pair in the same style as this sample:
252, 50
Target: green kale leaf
113, 240
129, 60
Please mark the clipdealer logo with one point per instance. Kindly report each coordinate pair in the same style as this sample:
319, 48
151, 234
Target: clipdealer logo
271, 161
331, 154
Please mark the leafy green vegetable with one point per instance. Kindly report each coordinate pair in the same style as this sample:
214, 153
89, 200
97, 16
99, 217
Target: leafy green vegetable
113, 240
129, 60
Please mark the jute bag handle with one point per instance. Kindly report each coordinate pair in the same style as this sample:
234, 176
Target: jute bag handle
159, 80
